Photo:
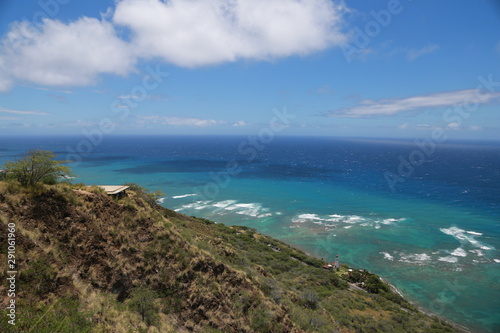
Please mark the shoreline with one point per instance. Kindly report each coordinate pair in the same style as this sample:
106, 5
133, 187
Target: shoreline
424, 310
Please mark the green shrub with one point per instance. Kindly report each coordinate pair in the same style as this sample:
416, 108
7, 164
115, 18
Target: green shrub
142, 300
37, 166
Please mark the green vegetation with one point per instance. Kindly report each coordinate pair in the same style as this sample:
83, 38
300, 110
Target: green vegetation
92, 263
145, 194
142, 300
37, 166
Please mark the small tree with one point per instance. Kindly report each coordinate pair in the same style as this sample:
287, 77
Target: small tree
142, 301
37, 166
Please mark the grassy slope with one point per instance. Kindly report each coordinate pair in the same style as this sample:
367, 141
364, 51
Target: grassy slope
89, 263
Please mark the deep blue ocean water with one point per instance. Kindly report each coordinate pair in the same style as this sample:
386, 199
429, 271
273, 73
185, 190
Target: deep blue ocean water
435, 237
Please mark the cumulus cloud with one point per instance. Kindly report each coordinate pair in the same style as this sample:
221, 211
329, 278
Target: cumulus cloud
413, 54
57, 54
384, 107
198, 32
179, 121
184, 33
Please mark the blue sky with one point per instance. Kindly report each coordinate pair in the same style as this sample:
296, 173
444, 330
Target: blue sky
387, 69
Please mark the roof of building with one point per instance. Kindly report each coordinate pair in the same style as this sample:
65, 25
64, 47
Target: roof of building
113, 189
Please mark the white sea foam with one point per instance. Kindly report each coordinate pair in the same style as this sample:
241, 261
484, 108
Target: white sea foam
223, 204
246, 209
464, 236
338, 218
415, 258
183, 207
387, 256
194, 205
245, 205
389, 221
453, 231
249, 209
450, 259
354, 219
306, 218
479, 253
459, 252
161, 200
309, 216
183, 196
350, 220
497, 261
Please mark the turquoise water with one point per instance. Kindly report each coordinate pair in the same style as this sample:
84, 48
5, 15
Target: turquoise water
436, 238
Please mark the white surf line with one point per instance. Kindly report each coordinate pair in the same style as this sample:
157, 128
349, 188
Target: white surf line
183, 196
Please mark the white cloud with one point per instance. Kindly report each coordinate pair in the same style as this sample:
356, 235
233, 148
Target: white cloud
413, 54
424, 126
9, 118
129, 97
77, 123
384, 107
59, 54
179, 121
184, 33
198, 32
240, 123
451, 126
407, 126
22, 112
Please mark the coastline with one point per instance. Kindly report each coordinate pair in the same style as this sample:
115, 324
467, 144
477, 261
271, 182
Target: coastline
113, 165
426, 311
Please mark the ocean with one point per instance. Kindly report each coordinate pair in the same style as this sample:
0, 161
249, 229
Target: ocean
424, 216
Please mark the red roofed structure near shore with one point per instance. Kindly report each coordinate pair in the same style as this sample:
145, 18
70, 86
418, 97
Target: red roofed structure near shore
333, 265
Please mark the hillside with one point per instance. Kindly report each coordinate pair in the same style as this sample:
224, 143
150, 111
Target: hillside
87, 262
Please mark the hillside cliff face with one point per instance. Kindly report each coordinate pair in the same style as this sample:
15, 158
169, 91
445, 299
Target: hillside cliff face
87, 262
